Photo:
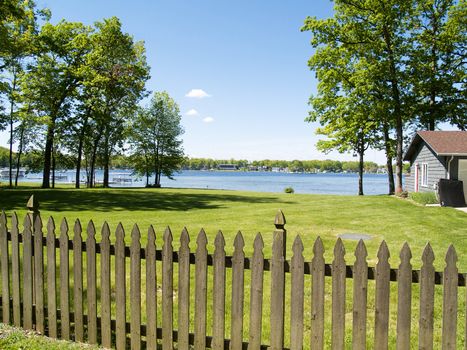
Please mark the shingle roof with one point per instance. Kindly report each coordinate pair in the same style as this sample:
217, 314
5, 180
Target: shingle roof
443, 143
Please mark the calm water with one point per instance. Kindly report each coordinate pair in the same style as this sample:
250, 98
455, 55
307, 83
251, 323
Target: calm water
247, 181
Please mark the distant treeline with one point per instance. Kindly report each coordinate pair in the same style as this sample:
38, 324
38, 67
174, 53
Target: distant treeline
32, 162
294, 165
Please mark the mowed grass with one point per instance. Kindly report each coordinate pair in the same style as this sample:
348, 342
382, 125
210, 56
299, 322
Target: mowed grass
15, 339
381, 217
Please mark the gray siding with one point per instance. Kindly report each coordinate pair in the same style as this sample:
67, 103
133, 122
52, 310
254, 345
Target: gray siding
437, 169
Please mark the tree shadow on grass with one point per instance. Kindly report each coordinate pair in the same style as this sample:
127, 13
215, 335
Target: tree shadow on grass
124, 199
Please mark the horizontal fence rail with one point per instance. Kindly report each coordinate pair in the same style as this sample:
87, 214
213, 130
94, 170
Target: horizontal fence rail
138, 297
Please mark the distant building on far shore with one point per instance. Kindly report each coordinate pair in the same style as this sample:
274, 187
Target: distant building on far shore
227, 167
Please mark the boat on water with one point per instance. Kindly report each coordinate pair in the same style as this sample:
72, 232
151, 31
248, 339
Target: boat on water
5, 173
121, 178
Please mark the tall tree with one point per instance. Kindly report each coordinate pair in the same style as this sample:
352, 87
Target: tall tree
373, 31
436, 64
155, 137
19, 33
51, 84
117, 73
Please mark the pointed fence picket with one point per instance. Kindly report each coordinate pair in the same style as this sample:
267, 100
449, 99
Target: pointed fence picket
218, 293
184, 291
151, 290
25, 282
338, 269
91, 278
201, 291
167, 291
78, 282
404, 299
5, 269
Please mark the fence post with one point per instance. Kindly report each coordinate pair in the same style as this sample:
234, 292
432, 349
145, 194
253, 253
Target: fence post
278, 283
33, 213
33, 208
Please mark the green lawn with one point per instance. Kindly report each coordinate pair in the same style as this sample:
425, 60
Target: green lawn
382, 217
17, 339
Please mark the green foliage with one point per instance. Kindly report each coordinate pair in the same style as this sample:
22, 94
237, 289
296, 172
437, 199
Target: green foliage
385, 66
155, 136
289, 190
424, 197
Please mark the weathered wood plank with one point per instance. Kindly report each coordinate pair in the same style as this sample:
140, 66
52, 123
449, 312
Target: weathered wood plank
105, 287
297, 295
184, 291
317, 307
64, 282
78, 282
338, 297
167, 291
15, 271
404, 299
91, 278
218, 293
151, 290
450, 276
135, 289
201, 291
427, 297
120, 288
360, 289
51, 280
5, 269
382, 298
238, 261
277, 285
256, 294
39, 274
27, 273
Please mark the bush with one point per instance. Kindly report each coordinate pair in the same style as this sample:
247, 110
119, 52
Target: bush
423, 197
289, 190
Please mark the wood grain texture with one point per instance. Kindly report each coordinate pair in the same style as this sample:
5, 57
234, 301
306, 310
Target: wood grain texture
404, 299
256, 294
201, 291
120, 288
338, 297
105, 287
167, 291
151, 290
218, 293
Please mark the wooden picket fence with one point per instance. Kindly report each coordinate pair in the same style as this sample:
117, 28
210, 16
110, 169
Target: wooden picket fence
30, 290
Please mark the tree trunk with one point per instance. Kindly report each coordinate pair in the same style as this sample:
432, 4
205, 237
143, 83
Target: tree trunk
18, 156
80, 152
389, 158
12, 108
105, 182
93, 161
397, 108
361, 151
48, 154
53, 168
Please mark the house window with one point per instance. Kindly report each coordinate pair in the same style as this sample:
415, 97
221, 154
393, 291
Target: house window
425, 174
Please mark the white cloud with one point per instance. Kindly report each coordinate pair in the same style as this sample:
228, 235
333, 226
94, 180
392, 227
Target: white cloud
208, 120
197, 93
192, 113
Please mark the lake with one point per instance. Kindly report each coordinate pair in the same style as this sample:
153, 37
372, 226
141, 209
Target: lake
322, 183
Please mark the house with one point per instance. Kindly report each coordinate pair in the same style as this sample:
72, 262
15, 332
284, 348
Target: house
436, 155
227, 167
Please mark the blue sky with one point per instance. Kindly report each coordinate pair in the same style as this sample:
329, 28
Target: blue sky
249, 56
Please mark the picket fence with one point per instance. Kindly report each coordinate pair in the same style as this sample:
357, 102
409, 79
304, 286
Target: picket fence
30, 290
